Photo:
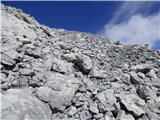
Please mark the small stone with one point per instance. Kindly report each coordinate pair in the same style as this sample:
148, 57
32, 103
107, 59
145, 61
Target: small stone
107, 117
141, 75
98, 116
94, 109
84, 115
72, 111
99, 74
26, 72
121, 115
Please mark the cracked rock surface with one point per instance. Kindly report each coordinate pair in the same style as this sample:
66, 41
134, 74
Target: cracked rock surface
55, 74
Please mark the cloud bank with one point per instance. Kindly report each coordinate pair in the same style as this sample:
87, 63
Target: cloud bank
135, 28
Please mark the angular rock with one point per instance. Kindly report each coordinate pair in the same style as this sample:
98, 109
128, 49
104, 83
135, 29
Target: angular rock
43, 93
63, 89
123, 116
18, 105
84, 62
93, 108
154, 105
135, 79
72, 111
133, 104
71, 57
108, 99
61, 66
151, 74
84, 115
26, 72
143, 67
99, 74
5, 59
146, 93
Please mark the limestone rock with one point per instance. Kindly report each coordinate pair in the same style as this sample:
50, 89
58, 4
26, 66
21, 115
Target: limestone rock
61, 66
133, 104
17, 104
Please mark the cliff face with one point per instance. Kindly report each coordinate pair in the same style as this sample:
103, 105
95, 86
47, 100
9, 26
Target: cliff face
58, 74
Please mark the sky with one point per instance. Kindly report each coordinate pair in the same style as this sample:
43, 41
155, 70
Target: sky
127, 22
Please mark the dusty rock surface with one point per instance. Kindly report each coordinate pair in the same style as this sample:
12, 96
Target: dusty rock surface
55, 74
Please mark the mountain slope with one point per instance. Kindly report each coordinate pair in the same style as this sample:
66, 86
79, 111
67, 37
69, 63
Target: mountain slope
49, 73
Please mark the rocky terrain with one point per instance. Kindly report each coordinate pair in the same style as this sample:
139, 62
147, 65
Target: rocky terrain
55, 74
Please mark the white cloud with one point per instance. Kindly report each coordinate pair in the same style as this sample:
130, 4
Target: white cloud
135, 28
127, 9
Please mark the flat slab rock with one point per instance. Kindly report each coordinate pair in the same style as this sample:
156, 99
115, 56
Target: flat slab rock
18, 104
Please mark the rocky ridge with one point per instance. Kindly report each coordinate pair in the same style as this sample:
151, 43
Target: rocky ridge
55, 74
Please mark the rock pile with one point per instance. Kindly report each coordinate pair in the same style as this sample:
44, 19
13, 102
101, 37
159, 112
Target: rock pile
55, 74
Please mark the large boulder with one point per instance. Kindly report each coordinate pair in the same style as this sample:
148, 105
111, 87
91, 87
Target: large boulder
19, 104
59, 90
133, 104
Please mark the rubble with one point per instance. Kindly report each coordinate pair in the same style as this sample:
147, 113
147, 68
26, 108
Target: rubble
56, 74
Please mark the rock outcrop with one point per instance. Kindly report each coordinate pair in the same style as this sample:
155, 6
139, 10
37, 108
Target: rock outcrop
55, 74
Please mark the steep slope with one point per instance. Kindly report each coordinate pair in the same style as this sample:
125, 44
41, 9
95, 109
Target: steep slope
57, 74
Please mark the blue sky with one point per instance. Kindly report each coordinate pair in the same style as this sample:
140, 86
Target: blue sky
128, 22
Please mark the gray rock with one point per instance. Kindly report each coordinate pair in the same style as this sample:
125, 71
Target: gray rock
123, 116
26, 72
93, 108
142, 67
135, 79
151, 74
63, 89
141, 75
108, 99
84, 62
5, 59
133, 104
84, 115
98, 116
18, 105
154, 105
146, 93
72, 111
61, 66
71, 57
99, 74
44, 93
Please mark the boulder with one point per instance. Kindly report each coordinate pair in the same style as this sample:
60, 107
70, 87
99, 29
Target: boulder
63, 89
123, 116
19, 104
43, 93
144, 68
135, 79
146, 93
154, 105
108, 99
61, 66
133, 104
84, 62
7, 60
